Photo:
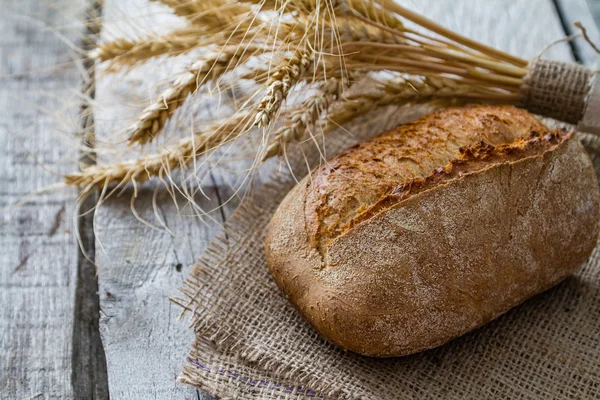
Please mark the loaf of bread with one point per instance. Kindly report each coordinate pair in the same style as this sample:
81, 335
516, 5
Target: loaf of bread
410, 239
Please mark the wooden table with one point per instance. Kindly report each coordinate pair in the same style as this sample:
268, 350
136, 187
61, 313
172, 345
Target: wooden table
67, 333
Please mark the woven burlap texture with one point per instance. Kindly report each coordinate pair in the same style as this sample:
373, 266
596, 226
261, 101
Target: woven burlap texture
252, 344
556, 89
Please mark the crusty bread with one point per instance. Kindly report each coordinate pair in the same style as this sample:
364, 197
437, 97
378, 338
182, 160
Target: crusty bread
412, 238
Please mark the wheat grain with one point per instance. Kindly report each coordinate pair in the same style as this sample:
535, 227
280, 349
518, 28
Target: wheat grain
283, 78
304, 117
211, 15
131, 52
211, 66
156, 165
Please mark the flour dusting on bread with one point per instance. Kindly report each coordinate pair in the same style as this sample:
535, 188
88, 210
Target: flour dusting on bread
430, 230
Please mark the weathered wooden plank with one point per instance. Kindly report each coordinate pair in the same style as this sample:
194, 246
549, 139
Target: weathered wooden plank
89, 376
40, 258
594, 7
139, 267
138, 272
572, 11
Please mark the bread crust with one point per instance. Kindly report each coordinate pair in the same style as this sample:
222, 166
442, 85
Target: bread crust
452, 251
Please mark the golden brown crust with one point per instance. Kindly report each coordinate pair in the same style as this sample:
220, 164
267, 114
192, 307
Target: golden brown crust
447, 253
470, 159
361, 176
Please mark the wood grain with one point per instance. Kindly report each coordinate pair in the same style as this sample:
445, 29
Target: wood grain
572, 11
39, 260
140, 267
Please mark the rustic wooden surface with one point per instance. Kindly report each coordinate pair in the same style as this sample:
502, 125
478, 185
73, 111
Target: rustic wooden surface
43, 352
572, 11
47, 299
144, 342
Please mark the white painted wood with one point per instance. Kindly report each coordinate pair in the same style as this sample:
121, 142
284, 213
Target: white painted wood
139, 268
594, 6
145, 344
579, 11
39, 253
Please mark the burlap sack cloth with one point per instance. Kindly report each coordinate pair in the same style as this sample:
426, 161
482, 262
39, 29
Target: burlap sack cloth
252, 344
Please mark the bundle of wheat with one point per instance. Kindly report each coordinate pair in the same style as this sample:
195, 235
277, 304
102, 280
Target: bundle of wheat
331, 46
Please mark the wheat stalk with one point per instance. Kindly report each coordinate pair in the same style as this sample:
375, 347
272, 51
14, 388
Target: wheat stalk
316, 43
211, 66
163, 162
304, 117
393, 7
283, 78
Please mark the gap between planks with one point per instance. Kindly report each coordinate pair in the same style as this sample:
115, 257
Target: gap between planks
89, 370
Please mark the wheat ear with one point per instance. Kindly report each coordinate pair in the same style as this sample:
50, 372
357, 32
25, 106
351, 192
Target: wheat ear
131, 52
163, 162
398, 91
280, 83
211, 66
372, 11
304, 117
211, 15
407, 90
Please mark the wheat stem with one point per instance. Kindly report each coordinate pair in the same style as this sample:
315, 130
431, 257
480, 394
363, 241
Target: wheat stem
427, 66
442, 54
434, 27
